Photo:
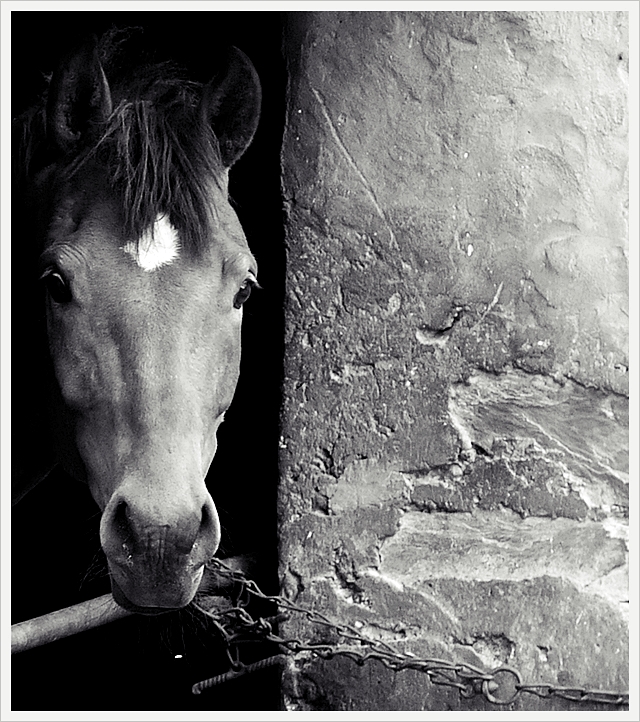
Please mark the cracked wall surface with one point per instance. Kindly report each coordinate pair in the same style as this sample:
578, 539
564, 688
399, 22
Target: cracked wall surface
454, 475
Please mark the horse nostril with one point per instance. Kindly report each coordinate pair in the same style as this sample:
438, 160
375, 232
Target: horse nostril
117, 533
121, 526
206, 522
208, 538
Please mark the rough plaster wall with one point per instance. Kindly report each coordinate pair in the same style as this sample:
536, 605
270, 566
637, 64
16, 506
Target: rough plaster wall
454, 450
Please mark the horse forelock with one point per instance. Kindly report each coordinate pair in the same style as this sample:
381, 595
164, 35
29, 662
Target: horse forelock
155, 151
162, 161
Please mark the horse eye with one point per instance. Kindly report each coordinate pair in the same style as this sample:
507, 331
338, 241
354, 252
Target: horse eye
57, 286
244, 292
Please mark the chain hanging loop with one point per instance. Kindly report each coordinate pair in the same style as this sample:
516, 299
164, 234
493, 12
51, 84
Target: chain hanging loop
488, 692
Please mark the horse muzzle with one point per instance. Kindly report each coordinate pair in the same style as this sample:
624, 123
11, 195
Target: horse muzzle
157, 552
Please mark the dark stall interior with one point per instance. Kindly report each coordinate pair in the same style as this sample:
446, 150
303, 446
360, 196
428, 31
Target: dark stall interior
144, 663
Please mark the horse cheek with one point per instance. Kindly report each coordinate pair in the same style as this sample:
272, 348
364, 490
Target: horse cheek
222, 380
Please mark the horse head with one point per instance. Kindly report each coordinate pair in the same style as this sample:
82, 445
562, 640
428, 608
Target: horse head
144, 269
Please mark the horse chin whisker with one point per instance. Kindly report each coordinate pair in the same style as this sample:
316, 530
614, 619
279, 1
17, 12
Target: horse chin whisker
191, 619
97, 569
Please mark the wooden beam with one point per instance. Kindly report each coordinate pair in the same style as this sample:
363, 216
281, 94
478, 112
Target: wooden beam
65, 622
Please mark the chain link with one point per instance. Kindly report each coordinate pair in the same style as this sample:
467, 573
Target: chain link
235, 626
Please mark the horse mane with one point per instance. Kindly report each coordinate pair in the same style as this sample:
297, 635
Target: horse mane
156, 151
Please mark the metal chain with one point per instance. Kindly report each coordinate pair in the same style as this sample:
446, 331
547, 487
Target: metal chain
500, 686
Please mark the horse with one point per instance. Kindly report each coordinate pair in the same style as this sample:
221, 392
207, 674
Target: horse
131, 270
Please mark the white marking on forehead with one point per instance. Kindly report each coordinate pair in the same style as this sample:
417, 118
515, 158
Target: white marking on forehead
157, 247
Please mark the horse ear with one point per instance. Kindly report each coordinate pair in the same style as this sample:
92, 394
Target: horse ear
231, 105
79, 97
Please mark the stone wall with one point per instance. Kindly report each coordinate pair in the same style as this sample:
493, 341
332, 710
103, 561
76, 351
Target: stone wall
454, 452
